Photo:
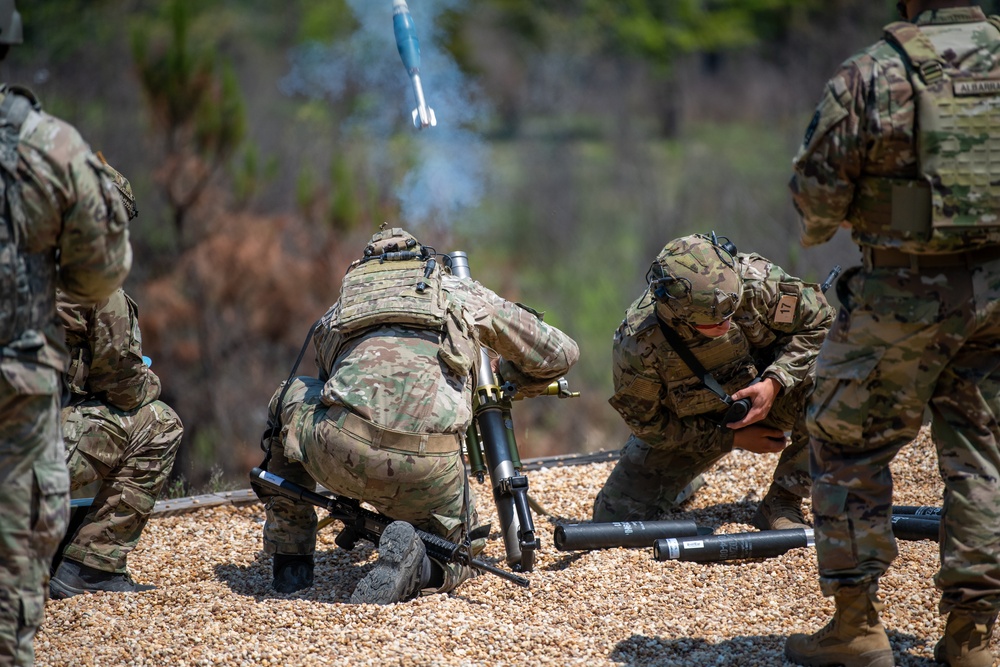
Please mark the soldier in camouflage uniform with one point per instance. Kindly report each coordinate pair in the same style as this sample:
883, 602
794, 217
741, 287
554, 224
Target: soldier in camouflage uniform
63, 224
744, 319
117, 434
385, 420
902, 150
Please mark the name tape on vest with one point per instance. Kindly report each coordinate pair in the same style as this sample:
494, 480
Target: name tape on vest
981, 87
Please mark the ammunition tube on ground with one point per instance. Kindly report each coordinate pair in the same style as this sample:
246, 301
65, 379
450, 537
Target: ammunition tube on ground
718, 548
587, 536
916, 527
916, 510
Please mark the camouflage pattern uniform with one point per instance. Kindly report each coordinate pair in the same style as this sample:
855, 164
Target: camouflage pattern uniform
385, 420
65, 225
116, 431
674, 418
919, 327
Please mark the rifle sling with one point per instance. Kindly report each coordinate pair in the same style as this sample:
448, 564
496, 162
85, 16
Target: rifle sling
281, 398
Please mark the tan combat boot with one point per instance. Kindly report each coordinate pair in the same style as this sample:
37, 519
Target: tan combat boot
966, 641
853, 638
780, 509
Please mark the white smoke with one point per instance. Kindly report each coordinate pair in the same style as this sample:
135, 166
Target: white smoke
448, 176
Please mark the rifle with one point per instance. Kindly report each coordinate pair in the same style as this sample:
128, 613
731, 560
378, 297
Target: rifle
490, 446
360, 523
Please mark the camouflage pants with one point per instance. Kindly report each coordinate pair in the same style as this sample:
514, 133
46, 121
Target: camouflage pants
906, 340
34, 501
131, 455
426, 490
645, 483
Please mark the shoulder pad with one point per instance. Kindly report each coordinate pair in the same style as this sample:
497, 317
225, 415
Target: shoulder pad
641, 315
755, 267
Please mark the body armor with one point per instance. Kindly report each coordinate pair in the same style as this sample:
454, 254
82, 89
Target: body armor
728, 358
957, 109
378, 293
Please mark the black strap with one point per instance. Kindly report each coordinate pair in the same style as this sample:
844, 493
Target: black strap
274, 420
692, 361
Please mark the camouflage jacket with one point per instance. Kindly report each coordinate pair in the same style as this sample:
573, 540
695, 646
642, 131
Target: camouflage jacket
864, 127
106, 352
777, 332
75, 219
394, 376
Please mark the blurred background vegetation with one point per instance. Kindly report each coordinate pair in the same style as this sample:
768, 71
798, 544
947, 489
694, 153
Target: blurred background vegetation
266, 141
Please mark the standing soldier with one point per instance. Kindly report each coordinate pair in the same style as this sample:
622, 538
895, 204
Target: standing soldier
117, 433
903, 151
385, 420
751, 330
63, 224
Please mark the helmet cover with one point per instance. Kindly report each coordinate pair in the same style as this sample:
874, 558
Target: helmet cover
696, 281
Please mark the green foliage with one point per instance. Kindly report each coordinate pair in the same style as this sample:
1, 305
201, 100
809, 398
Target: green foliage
221, 124
345, 207
249, 176
175, 77
323, 21
57, 31
190, 99
652, 30
177, 487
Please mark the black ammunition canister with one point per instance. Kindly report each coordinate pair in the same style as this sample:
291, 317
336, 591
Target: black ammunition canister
916, 527
718, 548
916, 510
588, 536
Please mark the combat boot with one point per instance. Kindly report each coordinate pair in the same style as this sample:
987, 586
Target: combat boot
73, 578
853, 638
966, 641
780, 509
292, 572
402, 571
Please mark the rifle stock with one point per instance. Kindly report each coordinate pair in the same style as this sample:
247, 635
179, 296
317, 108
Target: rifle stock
360, 523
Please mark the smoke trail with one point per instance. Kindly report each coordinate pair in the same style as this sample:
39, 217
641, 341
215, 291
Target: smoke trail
449, 173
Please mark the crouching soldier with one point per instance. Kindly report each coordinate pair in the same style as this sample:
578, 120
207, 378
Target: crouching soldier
119, 435
713, 323
384, 421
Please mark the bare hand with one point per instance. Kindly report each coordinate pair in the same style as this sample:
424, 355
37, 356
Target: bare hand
759, 439
761, 395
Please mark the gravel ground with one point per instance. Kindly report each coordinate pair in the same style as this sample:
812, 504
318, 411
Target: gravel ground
214, 606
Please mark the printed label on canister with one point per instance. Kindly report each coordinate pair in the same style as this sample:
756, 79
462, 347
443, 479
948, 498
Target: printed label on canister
673, 550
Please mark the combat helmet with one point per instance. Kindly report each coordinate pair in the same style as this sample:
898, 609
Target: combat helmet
696, 279
11, 31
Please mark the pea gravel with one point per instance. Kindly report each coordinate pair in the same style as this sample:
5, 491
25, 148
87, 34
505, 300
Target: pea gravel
213, 604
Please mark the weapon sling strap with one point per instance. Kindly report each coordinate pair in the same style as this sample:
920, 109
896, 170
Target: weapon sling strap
274, 425
692, 362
